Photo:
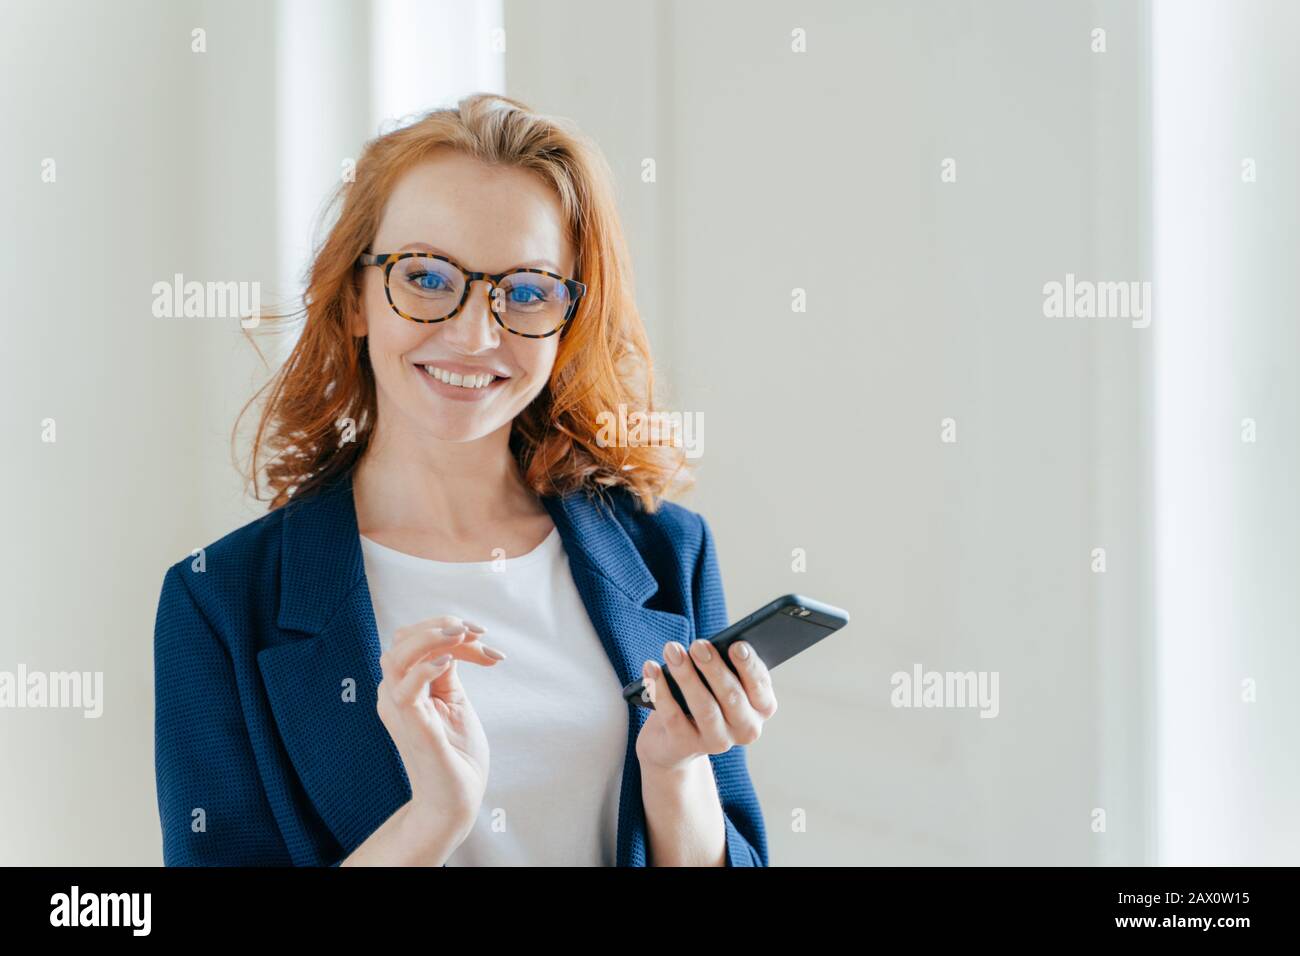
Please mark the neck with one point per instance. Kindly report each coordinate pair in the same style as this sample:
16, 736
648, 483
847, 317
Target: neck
453, 488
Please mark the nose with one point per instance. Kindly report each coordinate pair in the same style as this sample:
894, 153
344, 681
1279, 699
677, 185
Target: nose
474, 329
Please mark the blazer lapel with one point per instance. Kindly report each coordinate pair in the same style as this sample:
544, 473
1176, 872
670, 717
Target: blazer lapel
614, 582
323, 686
322, 677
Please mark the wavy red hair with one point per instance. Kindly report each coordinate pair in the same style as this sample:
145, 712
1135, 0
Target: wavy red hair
603, 359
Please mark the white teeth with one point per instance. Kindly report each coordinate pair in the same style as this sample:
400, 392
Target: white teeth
463, 381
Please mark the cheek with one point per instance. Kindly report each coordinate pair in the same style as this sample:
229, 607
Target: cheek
537, 364
390, 335
540, 359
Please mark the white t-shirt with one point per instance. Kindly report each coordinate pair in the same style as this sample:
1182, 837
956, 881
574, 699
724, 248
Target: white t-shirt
555, 720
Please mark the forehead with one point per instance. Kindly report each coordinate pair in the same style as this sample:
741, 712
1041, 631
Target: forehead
486, 217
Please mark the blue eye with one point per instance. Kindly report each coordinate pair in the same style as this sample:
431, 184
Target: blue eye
525, 294
427, 281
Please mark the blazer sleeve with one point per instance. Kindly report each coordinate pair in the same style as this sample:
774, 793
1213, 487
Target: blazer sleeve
742, 815
213, 808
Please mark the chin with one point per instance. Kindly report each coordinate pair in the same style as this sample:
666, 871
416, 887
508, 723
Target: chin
470, 429
462, 424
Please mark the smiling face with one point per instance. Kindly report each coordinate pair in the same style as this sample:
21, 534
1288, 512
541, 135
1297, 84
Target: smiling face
486, 219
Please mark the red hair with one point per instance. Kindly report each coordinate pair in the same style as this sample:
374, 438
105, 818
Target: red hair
603, 359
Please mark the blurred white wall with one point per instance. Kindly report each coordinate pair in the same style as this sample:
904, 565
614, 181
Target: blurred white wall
775, 170
164, 164
821, 171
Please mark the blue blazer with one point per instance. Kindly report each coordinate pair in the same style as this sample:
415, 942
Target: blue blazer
255, 747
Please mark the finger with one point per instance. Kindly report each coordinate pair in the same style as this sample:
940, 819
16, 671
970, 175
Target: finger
448, 623
471, 652
476, 652
665, 703
704, 709
744, 724
416, 645
431, 624
434, 623
755, 677
412, 686
447, 687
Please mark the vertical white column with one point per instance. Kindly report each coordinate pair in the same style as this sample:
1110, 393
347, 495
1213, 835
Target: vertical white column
429, 54
1227, 532
322, 117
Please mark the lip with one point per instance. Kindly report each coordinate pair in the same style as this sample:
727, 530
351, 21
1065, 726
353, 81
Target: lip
454, 392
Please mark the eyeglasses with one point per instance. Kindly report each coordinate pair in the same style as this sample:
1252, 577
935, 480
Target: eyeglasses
424, 287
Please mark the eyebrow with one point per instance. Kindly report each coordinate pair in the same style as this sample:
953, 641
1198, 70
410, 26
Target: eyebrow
531, 264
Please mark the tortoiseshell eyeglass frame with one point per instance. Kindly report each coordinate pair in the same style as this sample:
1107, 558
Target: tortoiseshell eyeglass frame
387, 259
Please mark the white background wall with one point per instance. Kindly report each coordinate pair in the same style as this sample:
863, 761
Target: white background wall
821, 171
775, 170
163, 166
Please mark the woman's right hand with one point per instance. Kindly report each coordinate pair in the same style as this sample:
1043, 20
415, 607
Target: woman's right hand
424, 706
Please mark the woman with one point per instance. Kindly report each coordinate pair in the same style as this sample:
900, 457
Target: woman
454, 565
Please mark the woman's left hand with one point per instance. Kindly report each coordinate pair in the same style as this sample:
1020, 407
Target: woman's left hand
725, 709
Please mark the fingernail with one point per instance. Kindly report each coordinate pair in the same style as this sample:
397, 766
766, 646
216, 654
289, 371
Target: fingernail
674, 653
452, 631
439, 661
493, 653
702, 650
742, 650
476, 628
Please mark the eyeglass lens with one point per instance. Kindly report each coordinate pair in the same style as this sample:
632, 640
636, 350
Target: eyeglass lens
430, 289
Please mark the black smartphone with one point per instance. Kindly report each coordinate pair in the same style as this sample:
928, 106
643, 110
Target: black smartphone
777, 632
